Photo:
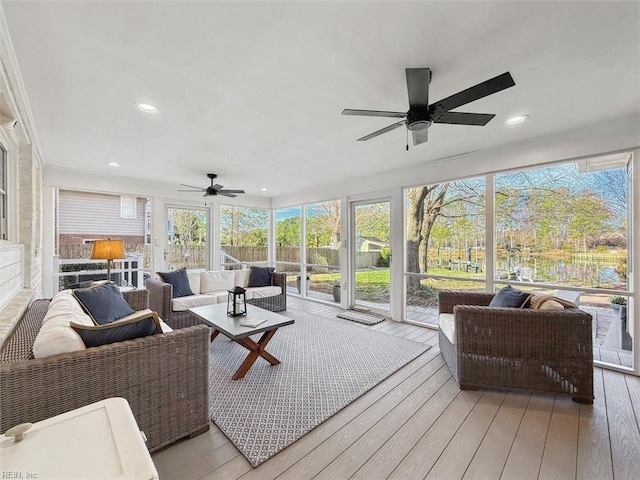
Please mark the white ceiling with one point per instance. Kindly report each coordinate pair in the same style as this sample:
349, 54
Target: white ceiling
254, 91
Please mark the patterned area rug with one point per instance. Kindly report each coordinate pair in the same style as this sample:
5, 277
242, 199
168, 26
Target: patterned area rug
360, 317
326, 364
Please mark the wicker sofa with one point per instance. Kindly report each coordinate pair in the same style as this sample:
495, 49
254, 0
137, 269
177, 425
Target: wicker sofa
543, 350
164, 377
161, 298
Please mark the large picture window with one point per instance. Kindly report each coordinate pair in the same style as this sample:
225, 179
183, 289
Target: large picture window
288, 238
323, 250
560, 229
244, 234
445, 243
563, 224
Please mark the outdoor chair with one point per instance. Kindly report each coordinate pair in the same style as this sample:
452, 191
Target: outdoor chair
522, 348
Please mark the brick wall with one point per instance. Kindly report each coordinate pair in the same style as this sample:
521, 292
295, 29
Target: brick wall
77, 238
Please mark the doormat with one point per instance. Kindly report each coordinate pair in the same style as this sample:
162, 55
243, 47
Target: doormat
360, 317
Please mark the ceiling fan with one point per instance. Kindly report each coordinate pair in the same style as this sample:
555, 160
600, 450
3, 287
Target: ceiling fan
213, 189
421, 115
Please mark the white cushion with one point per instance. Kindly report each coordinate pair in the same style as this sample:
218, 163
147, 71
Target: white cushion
182, 304
221, 297
242, 277
447, 325
55, 335
216, 280
194, 280
262, 292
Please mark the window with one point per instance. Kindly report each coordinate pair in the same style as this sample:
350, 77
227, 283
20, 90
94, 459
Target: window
3, 194
444, 242
323, 250
147, 222
564, 224
244, 234
288, 246
127, 207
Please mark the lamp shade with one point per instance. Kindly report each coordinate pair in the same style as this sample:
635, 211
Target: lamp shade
107, 249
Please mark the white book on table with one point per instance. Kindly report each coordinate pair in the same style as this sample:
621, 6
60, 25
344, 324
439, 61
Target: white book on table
253, 321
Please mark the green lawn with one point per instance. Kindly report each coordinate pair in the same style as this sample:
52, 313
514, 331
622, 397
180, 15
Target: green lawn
373, 285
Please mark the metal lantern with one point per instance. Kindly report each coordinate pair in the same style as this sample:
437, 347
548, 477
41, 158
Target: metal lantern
237, 302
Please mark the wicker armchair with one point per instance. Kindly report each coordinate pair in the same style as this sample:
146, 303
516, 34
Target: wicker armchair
543, 350
165, 378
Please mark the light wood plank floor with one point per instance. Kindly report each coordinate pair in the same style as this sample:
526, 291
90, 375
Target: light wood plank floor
417, 424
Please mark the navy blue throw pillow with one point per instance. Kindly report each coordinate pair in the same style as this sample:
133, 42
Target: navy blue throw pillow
118, 331
260, 276
104, 304
180, 281
510, 297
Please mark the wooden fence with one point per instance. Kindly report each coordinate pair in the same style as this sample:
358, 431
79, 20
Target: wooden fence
194, 256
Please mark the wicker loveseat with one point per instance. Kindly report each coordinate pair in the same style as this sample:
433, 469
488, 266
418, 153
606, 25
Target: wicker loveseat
161, 297
164, 377
543, 350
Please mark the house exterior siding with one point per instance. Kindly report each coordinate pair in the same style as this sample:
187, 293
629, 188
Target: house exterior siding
86, 215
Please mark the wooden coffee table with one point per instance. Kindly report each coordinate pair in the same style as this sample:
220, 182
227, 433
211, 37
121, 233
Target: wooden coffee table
216, 317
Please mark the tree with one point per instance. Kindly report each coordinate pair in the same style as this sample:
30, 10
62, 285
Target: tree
589, 219
424, 206
189, 226
243, 226
288, 232
373, 220
324, 224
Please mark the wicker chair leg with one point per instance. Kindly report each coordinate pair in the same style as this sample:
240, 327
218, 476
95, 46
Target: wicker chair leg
586, 401
199, 432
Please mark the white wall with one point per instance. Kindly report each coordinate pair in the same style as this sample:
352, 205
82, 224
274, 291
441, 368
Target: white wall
21, 253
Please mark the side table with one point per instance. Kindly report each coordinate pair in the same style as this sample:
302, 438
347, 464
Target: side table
98, 441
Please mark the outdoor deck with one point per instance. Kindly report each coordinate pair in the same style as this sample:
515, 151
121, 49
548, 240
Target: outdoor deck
418, 424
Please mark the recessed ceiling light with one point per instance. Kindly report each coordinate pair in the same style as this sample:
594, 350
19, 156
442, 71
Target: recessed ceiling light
113, 164
147, 108
264, 189
517, 119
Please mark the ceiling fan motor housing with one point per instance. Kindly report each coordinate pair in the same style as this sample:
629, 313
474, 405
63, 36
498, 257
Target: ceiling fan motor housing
418, 119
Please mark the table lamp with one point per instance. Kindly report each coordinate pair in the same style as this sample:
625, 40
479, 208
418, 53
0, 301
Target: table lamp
108, 250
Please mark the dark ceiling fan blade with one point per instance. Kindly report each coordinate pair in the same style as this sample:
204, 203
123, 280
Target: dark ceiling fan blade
380, 132
418, 86
373, 113
191, 186
460, 118
419, 136
199, 190
217, 187
226, 194
476, 92
230, 191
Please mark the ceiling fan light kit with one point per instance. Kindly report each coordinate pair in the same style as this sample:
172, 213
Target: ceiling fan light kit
421, 115
213, 190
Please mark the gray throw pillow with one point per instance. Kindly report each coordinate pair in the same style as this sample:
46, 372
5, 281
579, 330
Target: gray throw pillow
510, 297
260, 276
104, 304
118, 331
180, 281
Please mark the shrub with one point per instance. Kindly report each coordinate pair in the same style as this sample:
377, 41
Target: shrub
385, 253
618, 300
